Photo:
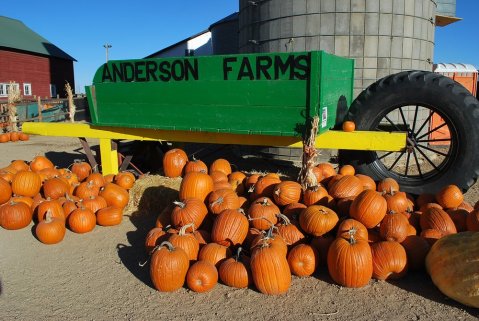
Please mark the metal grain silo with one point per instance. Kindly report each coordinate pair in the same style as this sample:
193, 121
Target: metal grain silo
225, 35
383, 36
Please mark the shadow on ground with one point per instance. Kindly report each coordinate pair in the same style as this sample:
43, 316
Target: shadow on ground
133, 254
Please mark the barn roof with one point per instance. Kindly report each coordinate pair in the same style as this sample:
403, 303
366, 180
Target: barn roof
15, 34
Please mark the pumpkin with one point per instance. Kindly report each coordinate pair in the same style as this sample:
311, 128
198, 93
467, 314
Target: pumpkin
431, 235
236, 272
236, 180
55, 188
350, 262
348, 126
327, 171
94, 203
453, 266
115, 195
350, 227
437, 219
190, 210
230, 227
125, 179
40, 162
449, 196
416, 249
109, 216
214, 253
368, 182
388, 185
51, 230
322, 244
82, 220
221, 165
218, 177
68, 206
23, 137
19, 165
264, 187
186, 241
15, 216
5, 191
346, 186
23, 199
53, 206
369, 208
155, 237
47, 173
315, 195
389, 260
222, 199
270, 239
289, 231
303, 260
397, 202
425, 198
459, 217
14, 137
293, 210
202, 276
270, 270
262, 213
196, 185
26, 183
195, 165
174, 162
346, 170
164, 218
287, 192
394, 227
318, 220
81, 169
97, 179
87, 189
168, 267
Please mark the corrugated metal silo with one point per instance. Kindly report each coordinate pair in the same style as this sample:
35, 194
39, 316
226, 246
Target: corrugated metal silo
383, 36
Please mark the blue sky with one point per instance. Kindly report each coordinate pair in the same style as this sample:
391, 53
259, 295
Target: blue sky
136, 29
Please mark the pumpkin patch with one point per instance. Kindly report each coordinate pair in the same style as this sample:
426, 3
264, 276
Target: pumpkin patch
349, 226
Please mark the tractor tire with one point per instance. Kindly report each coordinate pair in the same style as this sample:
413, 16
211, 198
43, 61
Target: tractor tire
408, 101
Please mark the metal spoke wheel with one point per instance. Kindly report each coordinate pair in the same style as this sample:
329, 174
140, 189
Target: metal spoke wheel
441, 119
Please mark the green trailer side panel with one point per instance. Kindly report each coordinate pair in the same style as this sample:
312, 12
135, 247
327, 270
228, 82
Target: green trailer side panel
266, 94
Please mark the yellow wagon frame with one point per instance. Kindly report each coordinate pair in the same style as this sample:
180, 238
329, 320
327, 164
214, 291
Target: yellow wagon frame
333, 139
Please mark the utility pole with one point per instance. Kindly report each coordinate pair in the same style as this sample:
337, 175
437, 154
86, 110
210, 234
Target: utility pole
107, 46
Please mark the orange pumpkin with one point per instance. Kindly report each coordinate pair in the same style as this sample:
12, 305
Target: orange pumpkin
196, 185
202, 276
174, 162
168, 267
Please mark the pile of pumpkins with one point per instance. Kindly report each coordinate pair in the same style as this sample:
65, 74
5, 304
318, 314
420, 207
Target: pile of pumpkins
13, 137
260, 229
59, 198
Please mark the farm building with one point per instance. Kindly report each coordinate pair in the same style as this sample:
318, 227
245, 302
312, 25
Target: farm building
35, 65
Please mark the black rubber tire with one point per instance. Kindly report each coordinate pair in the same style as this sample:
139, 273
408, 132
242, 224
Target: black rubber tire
437, 93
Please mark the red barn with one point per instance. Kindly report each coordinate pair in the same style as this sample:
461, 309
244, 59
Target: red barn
35, 65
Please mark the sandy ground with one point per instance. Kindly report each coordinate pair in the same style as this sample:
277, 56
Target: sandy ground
96, 276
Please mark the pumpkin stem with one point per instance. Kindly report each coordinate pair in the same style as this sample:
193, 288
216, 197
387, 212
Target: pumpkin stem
48, 216
265, 202
180, 204
285, 219
237, 256
185, 227
219, 200
166, 244
352, 233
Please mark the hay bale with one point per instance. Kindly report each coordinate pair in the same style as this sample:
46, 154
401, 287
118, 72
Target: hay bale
151, 194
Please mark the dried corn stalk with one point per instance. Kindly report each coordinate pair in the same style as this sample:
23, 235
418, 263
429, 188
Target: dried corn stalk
13, 98
71, 106
306, 174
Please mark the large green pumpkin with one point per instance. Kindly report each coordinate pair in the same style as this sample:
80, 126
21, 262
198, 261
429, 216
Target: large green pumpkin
453, 264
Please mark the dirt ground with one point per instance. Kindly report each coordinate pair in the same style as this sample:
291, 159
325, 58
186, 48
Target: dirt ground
97, 276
